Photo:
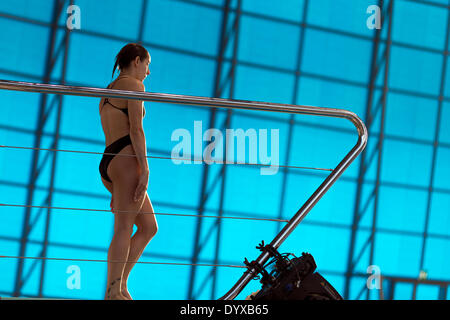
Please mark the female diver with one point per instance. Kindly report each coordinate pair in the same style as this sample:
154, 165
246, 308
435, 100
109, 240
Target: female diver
126, 177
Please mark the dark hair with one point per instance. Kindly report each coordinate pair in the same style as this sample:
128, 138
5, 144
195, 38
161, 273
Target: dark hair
128, 53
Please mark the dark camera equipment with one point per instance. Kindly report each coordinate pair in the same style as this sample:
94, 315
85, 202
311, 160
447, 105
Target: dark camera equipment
290, 279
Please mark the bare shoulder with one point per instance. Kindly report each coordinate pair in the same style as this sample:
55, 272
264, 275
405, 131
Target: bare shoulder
130, 84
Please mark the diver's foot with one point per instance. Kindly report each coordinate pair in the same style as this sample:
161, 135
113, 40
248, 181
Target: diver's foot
117, 296
126, 294
113, 291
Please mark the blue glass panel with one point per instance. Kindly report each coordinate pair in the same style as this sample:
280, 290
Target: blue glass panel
398, 254
350, 59
38, 10
8, 265
444, 133
411, 117
116, 18
406, 163
415, 70
289, 9
23, 48
437, 258
401, 209
427, 292
183, 25
442, 174
268, 43
439, 222
334, 14
419, 24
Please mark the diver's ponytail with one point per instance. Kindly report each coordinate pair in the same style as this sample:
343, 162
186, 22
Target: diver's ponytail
127, 54
115, 67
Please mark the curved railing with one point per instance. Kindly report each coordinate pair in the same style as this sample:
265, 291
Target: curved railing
232, 104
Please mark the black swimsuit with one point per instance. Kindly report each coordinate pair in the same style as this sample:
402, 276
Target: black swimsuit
114, 147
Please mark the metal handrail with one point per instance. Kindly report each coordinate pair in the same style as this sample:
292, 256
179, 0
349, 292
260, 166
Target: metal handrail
229, 104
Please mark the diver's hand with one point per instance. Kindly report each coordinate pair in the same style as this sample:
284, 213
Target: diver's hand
141, 188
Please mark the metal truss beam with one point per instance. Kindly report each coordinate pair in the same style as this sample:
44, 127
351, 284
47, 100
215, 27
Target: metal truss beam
46, 106
435, 142
372, 109
229, 36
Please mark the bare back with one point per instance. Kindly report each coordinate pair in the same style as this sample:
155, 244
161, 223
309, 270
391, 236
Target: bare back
115, 123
